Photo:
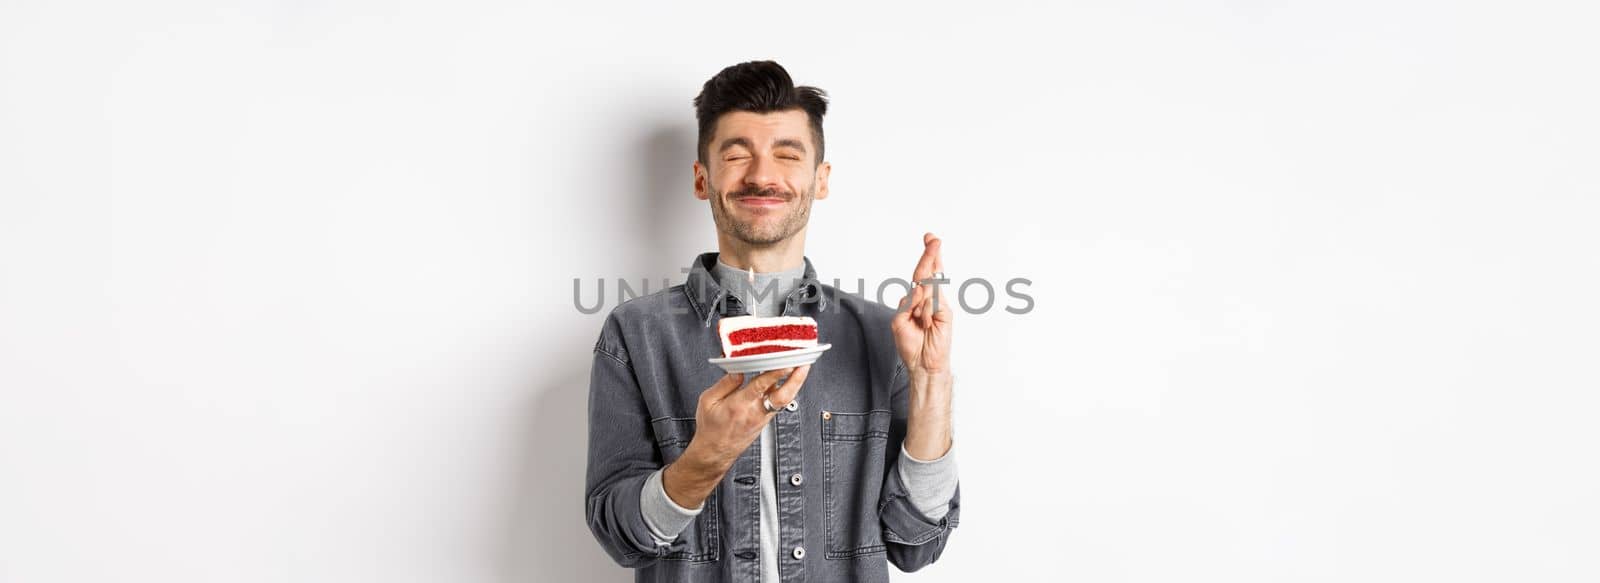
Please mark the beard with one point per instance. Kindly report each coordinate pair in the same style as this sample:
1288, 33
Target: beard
761, 230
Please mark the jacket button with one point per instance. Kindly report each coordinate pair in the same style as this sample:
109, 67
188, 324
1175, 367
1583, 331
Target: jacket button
827, 415
796, 479
799, 552
793, 405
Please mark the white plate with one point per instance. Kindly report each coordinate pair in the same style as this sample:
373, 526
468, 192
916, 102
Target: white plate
771, 360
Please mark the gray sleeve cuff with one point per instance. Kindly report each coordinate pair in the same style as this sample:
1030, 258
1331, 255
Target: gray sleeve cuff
930, 484
664, 517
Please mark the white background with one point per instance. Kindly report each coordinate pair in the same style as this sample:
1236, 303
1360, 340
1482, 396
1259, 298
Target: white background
286, 287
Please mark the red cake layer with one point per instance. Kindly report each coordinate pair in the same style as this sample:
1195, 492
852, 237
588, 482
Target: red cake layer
749, 335
764, 349
787, 332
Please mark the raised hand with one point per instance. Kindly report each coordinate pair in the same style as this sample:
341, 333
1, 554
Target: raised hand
922, 325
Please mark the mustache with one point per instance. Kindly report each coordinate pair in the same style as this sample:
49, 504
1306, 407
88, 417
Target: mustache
761, 193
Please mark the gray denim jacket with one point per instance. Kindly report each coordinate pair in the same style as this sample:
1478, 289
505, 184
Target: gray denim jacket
843, 507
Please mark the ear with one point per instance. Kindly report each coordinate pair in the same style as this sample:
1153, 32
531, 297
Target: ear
822, 180
701, 175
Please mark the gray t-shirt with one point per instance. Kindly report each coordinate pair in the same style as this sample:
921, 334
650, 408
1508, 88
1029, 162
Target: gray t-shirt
765, 299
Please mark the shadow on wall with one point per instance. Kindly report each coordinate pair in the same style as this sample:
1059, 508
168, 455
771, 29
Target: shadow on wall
549, 538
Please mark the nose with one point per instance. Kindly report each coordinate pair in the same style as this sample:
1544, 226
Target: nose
762, 172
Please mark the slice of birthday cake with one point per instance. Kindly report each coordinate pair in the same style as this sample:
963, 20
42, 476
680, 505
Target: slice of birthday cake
747, 335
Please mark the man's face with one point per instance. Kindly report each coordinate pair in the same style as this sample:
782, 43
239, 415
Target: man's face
762, 175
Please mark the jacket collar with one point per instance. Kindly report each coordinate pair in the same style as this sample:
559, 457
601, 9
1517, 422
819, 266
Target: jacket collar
709, 298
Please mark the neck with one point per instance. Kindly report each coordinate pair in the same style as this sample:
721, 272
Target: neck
781, 256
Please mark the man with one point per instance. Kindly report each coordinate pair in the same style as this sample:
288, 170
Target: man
851, 473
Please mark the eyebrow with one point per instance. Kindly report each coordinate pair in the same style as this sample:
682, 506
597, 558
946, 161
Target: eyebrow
781, 143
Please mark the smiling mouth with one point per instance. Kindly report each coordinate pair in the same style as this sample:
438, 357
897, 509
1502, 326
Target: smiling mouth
761, 201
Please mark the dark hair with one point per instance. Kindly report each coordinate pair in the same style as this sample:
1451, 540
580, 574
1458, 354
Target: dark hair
756, 87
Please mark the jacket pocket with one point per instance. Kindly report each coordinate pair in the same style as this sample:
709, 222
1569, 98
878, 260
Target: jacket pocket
854, 446
700, 541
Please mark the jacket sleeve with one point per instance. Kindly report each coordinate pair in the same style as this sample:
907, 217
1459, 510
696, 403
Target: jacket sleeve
913, 539
622, 456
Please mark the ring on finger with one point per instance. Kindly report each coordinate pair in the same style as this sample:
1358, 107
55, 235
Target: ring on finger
767, 404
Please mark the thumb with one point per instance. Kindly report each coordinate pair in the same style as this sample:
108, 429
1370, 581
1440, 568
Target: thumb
906, 313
